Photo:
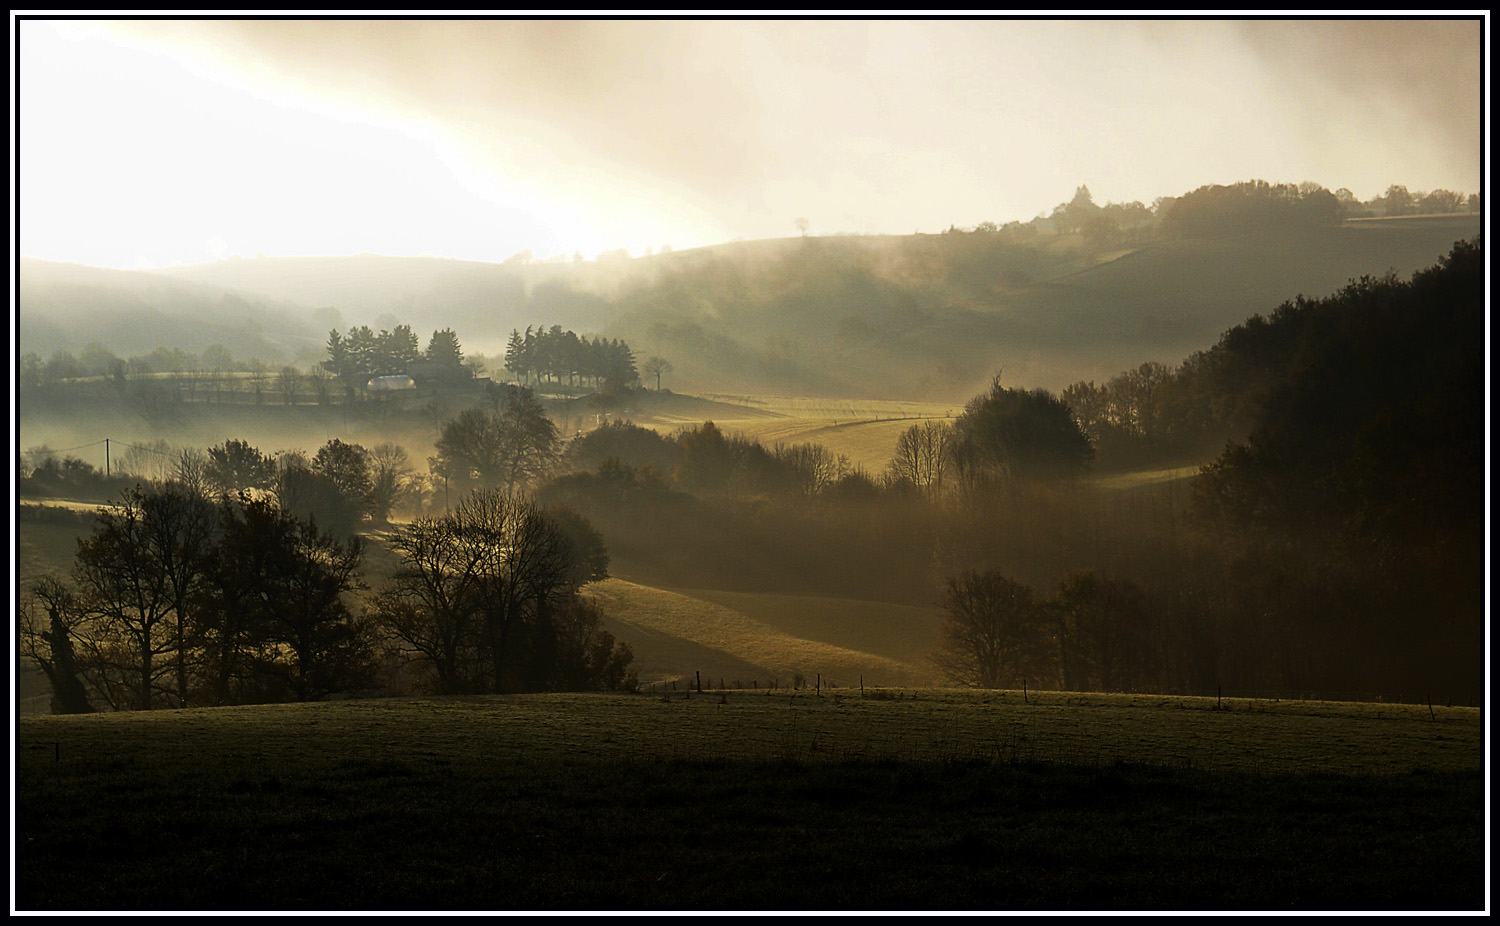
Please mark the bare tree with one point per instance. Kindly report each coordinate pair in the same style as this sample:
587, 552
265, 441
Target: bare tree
656, 366
922, 457
322, 385
993, 632
815, 466
137, 574
391, 475
191, 470
479, 592
289, 380
152, 461
430, 604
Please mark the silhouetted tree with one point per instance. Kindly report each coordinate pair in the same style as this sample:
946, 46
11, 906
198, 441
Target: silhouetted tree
994, 632
234, 466
922, 457
311, 495
137, 573
510, 449
327, 646
347, 466
624, 441
483, 595
587, 656
232, 609
1104, 633
391, 479
656, 366
49, 643
443, 349
1016, 436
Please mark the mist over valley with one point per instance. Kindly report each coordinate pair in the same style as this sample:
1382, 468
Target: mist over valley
934, 464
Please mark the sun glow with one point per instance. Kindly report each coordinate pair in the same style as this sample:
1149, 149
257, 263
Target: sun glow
125, 145
166, 141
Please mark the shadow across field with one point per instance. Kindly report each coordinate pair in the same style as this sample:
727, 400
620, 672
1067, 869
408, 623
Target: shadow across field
900, 800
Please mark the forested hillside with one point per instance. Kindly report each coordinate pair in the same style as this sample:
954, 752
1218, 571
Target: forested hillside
1079, 295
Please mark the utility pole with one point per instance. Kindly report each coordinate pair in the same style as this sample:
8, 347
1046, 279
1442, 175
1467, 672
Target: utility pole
106, 458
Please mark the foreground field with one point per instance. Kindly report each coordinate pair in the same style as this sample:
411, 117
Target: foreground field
898, 800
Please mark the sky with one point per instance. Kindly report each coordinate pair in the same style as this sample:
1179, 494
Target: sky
150, 143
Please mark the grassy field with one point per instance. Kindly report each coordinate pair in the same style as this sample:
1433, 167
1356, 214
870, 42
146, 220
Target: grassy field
914, 799
864, 430
761, 639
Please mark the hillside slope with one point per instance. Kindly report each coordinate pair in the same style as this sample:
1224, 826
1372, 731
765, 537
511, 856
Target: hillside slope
66, 307
755, 639
923, 316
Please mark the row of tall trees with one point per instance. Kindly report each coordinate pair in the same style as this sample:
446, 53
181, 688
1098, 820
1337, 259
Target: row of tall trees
1163, 415
177, 601
97, 360
1398, 200
1251, 206
556, 356
1219, 209
362, 353
340, 485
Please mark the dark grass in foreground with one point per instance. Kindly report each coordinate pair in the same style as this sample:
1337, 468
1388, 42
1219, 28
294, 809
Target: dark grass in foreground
747, 802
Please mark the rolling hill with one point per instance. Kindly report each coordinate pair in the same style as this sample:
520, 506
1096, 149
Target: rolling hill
930, 317
66, 307
754, 639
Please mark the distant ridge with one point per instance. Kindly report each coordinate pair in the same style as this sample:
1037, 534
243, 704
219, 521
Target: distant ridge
930, 317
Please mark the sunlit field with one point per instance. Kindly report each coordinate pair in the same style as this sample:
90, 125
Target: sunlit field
760, 639
863, 430
1144, 478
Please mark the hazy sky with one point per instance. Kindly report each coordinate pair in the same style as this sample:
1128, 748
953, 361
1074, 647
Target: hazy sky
147, 143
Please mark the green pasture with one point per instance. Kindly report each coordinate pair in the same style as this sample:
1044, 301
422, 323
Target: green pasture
886, 800
833, 724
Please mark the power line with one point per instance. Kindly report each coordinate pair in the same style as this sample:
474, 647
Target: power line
164, 453
46, 449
